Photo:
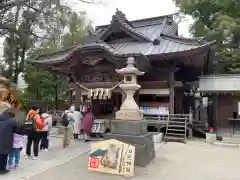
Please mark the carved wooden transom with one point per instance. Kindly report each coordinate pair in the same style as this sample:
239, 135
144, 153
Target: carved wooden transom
101, 77
91, 61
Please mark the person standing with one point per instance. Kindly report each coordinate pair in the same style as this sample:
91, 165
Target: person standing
77, 117
33, 125
67, 126
47, 118
86, 125
18, 142
8, 126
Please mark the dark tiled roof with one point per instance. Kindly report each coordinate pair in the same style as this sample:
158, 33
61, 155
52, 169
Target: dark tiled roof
151, 27
66, 53
120, 18
162, 28
167, 45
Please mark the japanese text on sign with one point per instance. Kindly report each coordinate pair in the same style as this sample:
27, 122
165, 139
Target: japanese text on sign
94, 162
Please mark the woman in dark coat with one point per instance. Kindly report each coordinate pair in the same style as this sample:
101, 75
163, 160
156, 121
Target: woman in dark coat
8, 126
86, 125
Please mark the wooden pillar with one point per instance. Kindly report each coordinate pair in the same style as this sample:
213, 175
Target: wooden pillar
178, 101
78, 97
70, 93
171, 92
197, 110
216, 111
190, 123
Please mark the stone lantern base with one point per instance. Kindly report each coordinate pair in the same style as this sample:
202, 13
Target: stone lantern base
134, 132
129, 114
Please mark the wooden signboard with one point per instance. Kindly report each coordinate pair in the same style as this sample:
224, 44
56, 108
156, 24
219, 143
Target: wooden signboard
112, 157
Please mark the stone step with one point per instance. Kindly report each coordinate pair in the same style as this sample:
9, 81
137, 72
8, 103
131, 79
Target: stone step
175, 134
177, 126
179, 130
231, 139
174, 138
227, 143
177, 122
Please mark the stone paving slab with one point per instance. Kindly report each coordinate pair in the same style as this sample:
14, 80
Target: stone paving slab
55, 156
195, 160
77, 168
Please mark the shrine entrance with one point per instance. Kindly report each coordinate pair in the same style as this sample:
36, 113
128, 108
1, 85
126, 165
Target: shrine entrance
103, 108
106, 108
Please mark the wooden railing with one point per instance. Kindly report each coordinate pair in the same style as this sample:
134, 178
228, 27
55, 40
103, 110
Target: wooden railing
101, 125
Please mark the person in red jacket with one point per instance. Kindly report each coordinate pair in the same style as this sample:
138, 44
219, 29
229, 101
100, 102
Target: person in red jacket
86, 124
34, 134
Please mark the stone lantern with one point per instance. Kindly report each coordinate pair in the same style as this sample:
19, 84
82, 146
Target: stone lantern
129, 125
129, 109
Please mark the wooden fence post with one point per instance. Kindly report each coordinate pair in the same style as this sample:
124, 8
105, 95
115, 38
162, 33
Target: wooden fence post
190, 124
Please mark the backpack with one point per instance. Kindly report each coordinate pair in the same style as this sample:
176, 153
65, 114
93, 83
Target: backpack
30, 123
65, 120
42, 123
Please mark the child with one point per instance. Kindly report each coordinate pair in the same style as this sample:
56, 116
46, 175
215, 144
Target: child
18, 141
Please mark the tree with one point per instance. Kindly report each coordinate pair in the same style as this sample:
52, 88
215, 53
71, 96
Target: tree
47, 86
31, 10
78, 27
27, 22
217, 20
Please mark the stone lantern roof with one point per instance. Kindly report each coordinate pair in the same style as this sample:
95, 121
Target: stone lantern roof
130, 68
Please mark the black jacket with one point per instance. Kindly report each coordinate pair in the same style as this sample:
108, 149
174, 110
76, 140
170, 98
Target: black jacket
20, 129
7, 128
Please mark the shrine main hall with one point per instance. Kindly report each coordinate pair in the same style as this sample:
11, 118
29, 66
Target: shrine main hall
169, 62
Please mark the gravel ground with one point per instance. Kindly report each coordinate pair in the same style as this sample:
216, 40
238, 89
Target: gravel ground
192, 161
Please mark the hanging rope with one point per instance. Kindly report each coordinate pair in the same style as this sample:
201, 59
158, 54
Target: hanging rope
115, 86
110, 89
104, 92
81, 86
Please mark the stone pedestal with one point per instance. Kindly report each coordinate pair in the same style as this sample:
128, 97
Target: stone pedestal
129, 114
134, 133
129, 109
129, 126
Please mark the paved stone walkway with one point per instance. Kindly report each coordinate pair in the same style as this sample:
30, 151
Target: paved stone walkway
192, 161
47, 160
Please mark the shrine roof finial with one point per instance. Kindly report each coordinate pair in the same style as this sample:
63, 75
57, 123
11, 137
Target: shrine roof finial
131, 61
120, 14
130, 68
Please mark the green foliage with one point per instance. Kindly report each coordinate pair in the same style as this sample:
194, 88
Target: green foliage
217, 20
78, 29
27, 23
42, 85
45, 85
34, 27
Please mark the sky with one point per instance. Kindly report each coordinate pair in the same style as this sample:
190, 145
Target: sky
133, 9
